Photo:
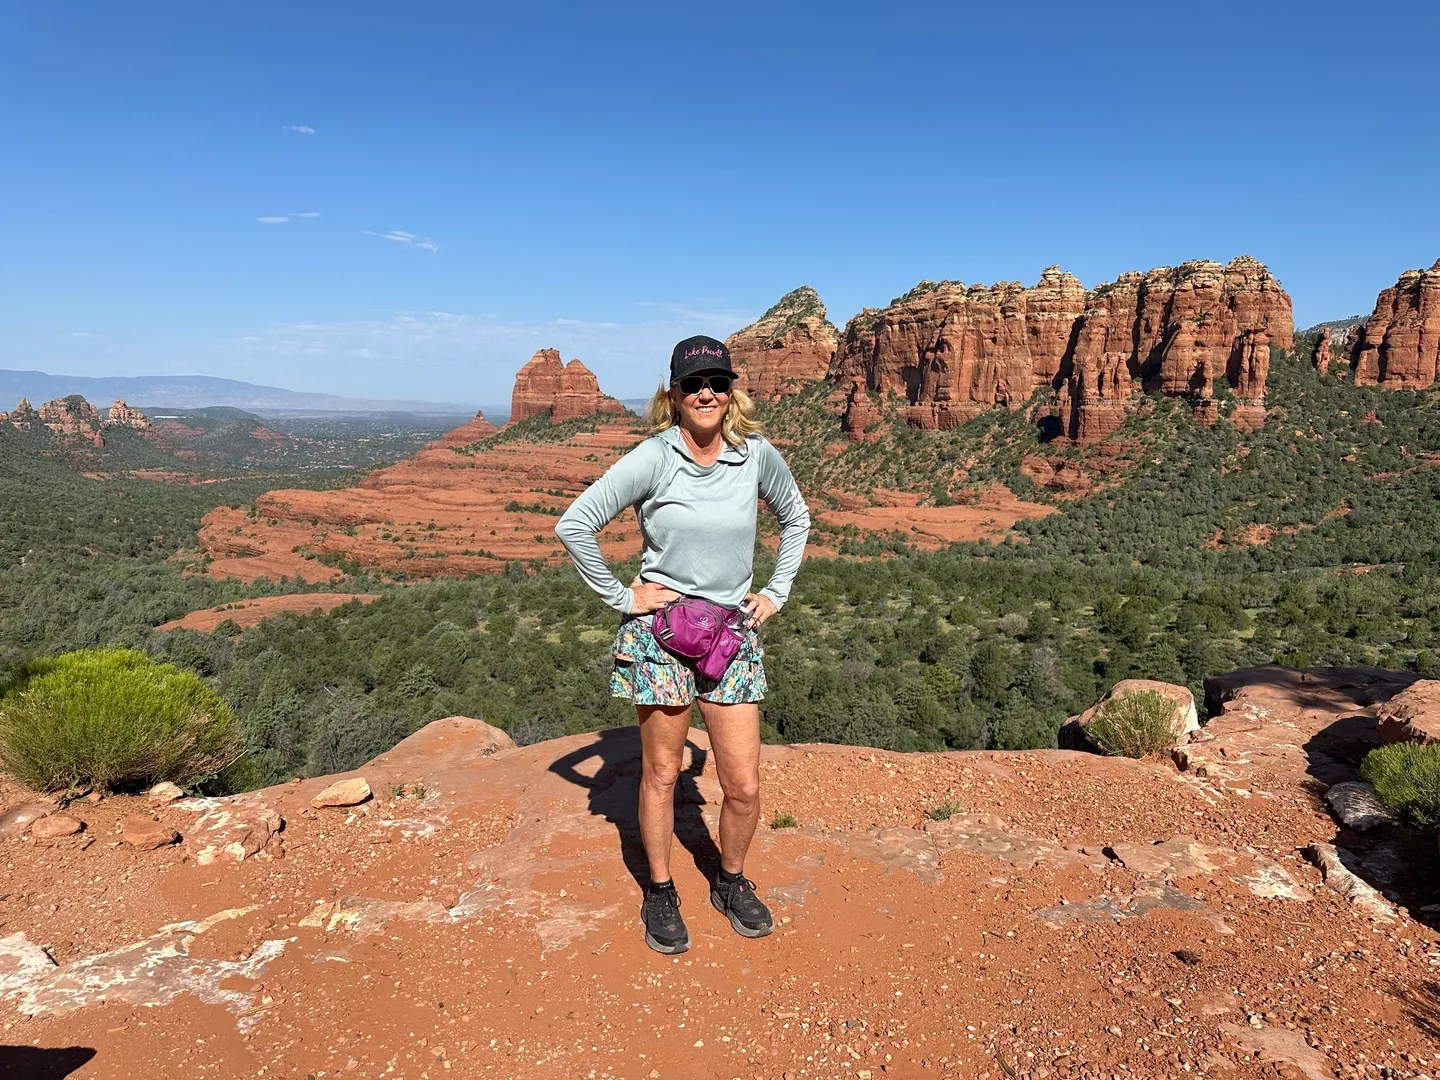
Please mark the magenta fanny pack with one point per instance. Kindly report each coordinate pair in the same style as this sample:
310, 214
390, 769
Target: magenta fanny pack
706, 634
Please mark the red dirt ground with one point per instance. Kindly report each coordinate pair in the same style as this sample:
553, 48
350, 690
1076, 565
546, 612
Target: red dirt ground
444, 512
485, 925
248, 613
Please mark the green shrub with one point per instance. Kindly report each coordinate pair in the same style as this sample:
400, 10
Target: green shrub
113, 718
943, 811
1406, 776
1134, 725
784, 821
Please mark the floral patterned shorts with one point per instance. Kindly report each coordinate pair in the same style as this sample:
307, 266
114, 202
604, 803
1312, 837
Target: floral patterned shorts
648, 675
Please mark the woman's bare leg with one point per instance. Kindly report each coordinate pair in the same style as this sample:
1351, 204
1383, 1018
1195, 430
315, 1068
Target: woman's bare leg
662, 744
735, 738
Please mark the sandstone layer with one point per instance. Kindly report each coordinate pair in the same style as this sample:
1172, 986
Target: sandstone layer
459, 506
787, 349
545, 386
1399, 348
248, 613
1073, 916
951, 350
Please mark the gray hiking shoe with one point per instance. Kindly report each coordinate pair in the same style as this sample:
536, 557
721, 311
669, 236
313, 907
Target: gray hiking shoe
664, 928
736, 900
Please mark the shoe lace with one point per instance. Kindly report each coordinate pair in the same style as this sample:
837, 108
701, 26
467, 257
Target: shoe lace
742, 886
663, 901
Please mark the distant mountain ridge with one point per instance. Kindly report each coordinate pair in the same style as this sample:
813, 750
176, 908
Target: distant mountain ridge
196, 391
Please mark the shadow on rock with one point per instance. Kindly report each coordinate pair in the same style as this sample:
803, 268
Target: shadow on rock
37, 1063
1310, 688
1333, 754
615, 793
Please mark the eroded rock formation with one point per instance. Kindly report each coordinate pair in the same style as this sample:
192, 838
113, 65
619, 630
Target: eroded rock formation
1399, 347
1322, 352
22, 416
71, 415
861, 415
788, 348
122, 415
953, 351
563, 391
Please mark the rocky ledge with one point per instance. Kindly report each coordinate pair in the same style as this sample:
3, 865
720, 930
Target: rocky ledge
1042, 914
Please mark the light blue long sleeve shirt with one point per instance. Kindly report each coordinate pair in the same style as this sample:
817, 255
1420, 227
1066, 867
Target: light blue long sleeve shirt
697, 522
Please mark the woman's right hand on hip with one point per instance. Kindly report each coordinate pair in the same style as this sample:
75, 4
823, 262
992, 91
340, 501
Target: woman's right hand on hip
648, 597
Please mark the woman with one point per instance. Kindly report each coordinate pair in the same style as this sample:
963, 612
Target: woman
694, 486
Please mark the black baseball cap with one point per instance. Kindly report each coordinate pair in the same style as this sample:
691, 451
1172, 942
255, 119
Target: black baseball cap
699, 354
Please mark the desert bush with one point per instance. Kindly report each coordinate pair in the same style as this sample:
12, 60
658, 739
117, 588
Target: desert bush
1134, 725
943, 811
113, 718
1406, 776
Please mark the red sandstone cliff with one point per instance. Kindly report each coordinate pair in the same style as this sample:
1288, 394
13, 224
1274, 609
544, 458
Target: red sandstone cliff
563, 391
1399, 347
1322, 352
787, 349
954, 351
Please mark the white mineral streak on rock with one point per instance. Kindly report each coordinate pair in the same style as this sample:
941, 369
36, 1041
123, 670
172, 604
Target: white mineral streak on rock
145, 973
1347, 884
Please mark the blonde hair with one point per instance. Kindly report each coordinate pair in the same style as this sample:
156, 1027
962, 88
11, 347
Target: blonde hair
740, 422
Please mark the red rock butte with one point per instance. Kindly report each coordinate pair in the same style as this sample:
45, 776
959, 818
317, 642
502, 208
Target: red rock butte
1399, 346
545, 386
953, 350
787, 349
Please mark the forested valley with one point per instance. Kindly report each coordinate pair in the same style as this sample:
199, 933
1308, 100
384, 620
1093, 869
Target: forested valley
1311, 541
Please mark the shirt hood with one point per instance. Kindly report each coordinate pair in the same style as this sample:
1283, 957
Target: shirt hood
732, 454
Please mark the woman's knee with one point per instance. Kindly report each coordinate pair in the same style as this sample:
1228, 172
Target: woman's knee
742, 790
661, 775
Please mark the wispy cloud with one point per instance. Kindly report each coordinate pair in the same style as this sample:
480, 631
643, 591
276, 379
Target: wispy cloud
298, 129
446, 356
409, 239
281, 219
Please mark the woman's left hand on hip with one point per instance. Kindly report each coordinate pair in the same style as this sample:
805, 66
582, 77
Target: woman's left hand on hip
761, 607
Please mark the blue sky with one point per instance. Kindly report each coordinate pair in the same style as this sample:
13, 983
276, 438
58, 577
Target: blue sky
466, 183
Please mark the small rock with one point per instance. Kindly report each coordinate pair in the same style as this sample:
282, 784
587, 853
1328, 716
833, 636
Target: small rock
164, 793
143, 834
14, 822
348, 792
55, 825
1357, 806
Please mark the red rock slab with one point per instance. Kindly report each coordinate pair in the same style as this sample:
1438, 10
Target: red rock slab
501, 903
449, 509
932, 527
248, 613
1413, 715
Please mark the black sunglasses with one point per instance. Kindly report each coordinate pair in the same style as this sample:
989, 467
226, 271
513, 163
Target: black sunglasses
693, 384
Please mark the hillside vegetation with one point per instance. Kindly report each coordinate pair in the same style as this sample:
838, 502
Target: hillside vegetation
1308, 542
